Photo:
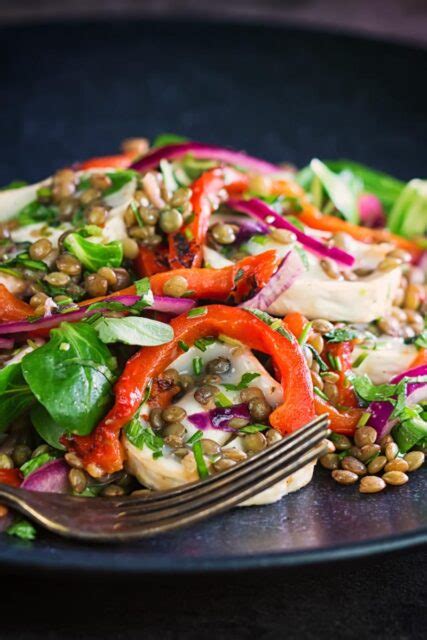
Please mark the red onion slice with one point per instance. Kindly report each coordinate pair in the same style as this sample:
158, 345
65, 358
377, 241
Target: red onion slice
174, 306
261, 211
203, 151
220, 417
52, 477
371, 211
285, 276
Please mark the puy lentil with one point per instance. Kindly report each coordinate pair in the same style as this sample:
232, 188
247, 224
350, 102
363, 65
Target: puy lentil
391, 451
210, 447
113, 490
57, 278
155, 418
6, 461
365, 435
136, 146
415, 460
331, 391
186, 382
344, 477
130, 248
398, 464
100, 181
174, 413
149, 215
254, 442
218, 366
97, 215
171, 375
385, 440
40, 249
340, 441
251, 392
223, 233
173, 434
368, 451
395, 478
322, 326
73, 460
371, 484
377, 464
349, 463
330, 268
38, 299
88, 196
272, 436
20, 454
109, 274
43, 448
330, 461
232, 453
316, 341
78, 480
96, 285
210, 378
238, 423
205, 393
171, 220
283, 236
223, 464
330, 376
389, 263
68, 264
259, 409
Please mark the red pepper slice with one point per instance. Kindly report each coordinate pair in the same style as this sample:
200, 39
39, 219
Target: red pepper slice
344, 422
12, 308
119, 161
342, 351
186, 245
12, 477
149, 261
102, 448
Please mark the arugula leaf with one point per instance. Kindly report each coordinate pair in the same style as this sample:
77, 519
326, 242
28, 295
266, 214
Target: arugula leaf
164, 139
341, 335
37, 212
22, 529
245, 381
94, 255
16, 397
35, 463
74, 385
133, 330
49, 430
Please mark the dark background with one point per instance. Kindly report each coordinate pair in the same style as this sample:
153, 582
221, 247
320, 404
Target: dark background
72, 91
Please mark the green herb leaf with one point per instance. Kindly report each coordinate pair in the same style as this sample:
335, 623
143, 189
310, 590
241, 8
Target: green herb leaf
15, 184
16, 397
35, 463
197, 365
245, 381
74, 386
143, 436
341, 335
183, 345
203, 343
304, 334
22, 529
37, 212
370, 392
164, 139
198, 311
49, 430
133, 330
221, 400
94, 255
197, 435
143, 289
254, 428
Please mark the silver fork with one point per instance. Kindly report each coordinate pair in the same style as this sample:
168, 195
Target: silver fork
131, 518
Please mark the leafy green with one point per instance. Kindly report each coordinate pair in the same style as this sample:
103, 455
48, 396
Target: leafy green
23, 260
254, 428
143, 289
274, 323
15, 184
35, 463
49, 430
118, 180
195, 313
164, 139
133, 330
408, 216
409, 433
94, 255
245, 381
342, 189
72, 376
16, 397
371, 392
421, 340
143, 436
341, 335
22, 529
37, 212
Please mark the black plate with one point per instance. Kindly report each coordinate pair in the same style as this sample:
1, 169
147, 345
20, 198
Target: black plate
77, 90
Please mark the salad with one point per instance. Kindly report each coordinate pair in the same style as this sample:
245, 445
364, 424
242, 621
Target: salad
172, 310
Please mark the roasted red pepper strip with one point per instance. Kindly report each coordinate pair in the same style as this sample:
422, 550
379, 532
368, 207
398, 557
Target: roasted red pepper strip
12, 308
12, 477
342, 351
339, 421
101, 451
186, 245
119, 161
234, 283
151, 261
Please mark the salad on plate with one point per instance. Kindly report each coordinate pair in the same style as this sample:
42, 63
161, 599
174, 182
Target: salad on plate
172, 310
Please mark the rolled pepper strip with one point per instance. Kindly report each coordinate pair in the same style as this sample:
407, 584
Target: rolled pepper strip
186, 245
12, 477
102, 449
119, 161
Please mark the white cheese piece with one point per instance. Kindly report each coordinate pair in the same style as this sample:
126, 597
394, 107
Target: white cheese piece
13, 200
168, 471
390, 357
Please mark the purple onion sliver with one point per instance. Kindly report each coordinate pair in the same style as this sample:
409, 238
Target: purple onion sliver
202, 151
371, 211
52, 477
220, 417
262, 211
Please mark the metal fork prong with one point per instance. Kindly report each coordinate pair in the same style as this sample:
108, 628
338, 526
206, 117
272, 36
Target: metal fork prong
195, 500
277, 449
219, 505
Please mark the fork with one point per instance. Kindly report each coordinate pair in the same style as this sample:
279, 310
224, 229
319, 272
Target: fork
132, 518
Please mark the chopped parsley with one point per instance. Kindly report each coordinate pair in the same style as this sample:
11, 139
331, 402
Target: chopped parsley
197, 435
183, 345
197, 365
341, 335
140, 436
245, 381
305, 333
274, 323
254, 428
203, 343
199, 311
22, 529
221, 400
200, 461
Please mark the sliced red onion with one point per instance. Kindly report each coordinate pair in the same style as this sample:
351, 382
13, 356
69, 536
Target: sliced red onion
371, 211
261, 211
174, 306
285, 276
6, 343
202, 151
249, 228
52, 477
382, 410
220, 417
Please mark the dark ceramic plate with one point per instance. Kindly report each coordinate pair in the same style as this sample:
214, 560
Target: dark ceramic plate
74, 91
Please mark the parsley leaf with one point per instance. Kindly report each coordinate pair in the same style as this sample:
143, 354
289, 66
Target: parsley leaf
341, 335
245, 380
22, 529
143, 436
